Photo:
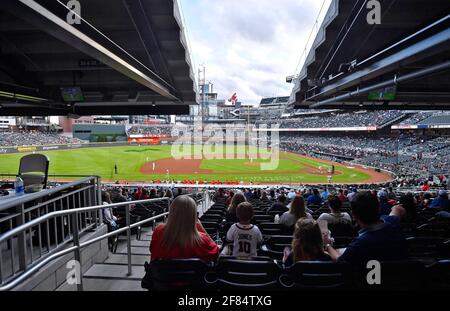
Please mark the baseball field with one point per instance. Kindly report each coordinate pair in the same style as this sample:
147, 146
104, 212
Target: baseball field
151, 163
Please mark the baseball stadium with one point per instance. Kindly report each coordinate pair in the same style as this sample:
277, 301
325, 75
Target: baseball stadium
126, 165
150, 164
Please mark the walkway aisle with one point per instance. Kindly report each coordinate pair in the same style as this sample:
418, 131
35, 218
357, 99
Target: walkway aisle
112, 274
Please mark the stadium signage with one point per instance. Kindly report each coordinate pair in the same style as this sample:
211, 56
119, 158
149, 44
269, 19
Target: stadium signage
404, 127
26, 149
322, 129
3, 150
50, 148
76, 146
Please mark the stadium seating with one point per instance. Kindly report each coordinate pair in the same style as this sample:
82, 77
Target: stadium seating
428, 265
317, 275
357, 119
262, 273
35, 138
259, 274
176, 274
430, 154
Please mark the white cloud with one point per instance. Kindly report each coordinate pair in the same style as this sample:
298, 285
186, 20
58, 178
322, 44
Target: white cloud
250, 46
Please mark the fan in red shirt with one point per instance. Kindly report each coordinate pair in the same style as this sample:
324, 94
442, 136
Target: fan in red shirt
183, 236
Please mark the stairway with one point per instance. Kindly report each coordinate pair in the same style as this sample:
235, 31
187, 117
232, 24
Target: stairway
111, 275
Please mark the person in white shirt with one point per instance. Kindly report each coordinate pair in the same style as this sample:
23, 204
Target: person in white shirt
335, 217
351, 194
244, 236
108, 215
296, 211
109, 219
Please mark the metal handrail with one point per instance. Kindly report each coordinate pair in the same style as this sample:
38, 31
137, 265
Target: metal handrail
76, 248
41, 219
34, 196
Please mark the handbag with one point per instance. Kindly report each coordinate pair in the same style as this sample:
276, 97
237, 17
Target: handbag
147, 281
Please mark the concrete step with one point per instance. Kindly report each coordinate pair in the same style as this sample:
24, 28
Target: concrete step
101, 284
140, 243
138, 260
135, 250
115, 271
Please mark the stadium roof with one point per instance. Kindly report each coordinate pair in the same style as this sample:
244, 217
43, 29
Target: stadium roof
127, 57
402, 63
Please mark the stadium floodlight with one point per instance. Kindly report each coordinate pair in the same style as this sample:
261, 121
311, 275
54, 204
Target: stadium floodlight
315, 82
290, 79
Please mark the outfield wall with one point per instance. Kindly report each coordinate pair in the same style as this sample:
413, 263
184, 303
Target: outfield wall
26, 149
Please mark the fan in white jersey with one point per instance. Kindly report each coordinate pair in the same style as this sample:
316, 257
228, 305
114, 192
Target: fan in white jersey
244, 236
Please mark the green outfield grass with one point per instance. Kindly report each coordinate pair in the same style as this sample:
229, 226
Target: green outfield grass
129, 160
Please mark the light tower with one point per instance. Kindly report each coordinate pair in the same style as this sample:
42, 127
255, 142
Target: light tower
202, 83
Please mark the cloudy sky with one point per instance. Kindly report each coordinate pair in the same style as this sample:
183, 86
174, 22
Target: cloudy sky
249, 46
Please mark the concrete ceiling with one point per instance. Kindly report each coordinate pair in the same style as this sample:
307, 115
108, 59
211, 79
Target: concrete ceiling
127, 56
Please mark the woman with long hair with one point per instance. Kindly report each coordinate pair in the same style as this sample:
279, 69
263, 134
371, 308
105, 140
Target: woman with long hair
307, 243
229, 197
296, 211
182, 236
409, 203
238, 198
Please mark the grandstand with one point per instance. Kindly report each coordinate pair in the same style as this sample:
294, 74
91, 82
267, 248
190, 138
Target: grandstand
377, 119
35, 138
360, 179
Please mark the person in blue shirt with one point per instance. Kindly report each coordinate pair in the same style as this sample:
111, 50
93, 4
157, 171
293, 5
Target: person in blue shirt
279, 206
441, 201
385, 206
325, 195
315, 198
378, 239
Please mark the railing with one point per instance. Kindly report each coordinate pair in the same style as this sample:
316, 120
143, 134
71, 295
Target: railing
41, 240
75, 218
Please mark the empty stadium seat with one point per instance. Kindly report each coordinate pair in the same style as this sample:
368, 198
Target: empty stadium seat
212, 218
212, 228
342, 241
269, 229
176, 274
395, 275
257, 219
341, 230
274, 246
247, 274
317, 275
424, 247
433, 229
438, 275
